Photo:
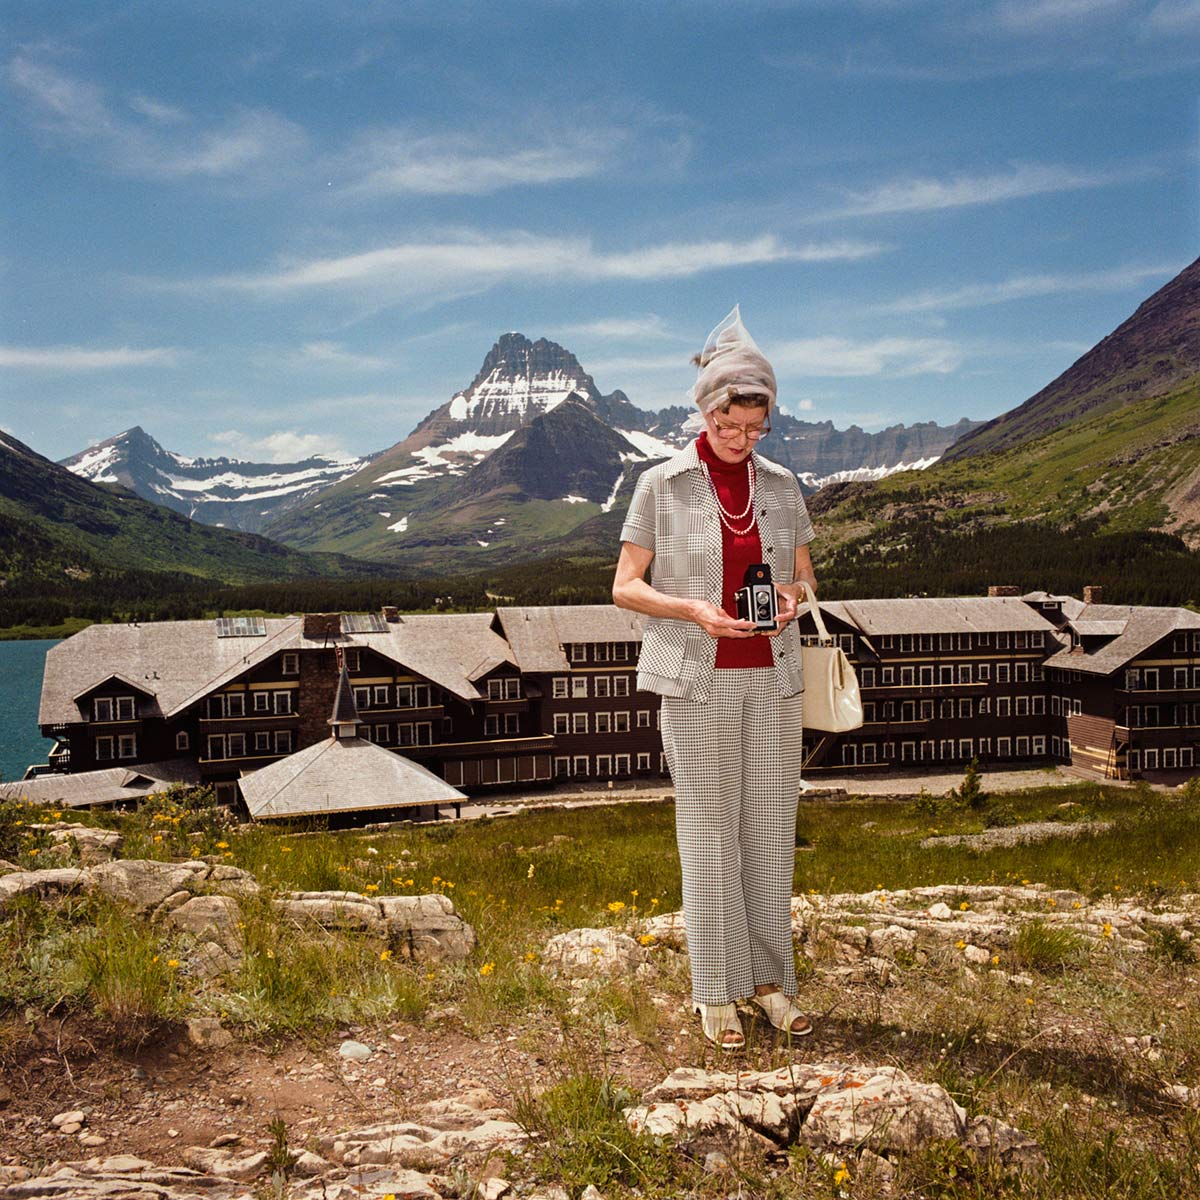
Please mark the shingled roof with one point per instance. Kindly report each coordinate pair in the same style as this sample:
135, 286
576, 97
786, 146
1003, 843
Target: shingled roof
343, 776
178, 663
109, 785
960, 614
537, 633
1134, 628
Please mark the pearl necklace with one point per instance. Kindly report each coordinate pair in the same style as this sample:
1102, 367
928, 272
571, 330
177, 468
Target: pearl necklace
728, 519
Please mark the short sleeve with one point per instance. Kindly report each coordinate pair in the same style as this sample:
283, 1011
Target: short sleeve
804, 529
639, 524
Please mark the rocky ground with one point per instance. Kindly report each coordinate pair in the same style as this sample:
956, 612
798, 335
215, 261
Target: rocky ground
427, 1109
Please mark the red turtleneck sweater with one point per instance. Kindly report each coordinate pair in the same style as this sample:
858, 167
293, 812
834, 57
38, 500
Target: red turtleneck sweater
738, 551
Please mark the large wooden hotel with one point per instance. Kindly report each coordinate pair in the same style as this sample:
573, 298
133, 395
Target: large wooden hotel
460, 704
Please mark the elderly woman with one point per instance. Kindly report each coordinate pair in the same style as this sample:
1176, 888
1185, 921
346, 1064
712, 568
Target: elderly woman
731, 702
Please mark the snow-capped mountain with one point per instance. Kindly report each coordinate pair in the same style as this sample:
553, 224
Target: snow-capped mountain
218, 491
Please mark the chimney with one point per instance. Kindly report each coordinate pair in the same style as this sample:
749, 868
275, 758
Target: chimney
1003, 589
391, 613
1093, 594
322, 625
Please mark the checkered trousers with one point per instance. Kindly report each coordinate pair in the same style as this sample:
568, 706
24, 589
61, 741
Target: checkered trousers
735, 762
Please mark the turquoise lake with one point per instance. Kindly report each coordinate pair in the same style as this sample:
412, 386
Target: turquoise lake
21, 666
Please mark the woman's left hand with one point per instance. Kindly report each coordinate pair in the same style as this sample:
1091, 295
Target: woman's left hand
788, 604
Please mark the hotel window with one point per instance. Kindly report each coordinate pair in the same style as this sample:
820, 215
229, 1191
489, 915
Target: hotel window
1077, 708
946, 710
353, 660
889, 751
643, 718
579, 722
491, 725
283, 741
885, 642
1002, 641
124, 708
1039, 706
422, 695
602, 652
1185, 756
362, 697
1022, 747
1169, 757
581, 764
621, 685
404, 696
964, 709
984, 706
102, 709
1150, 759
404, 735
1003, 706
889, 710
1133, 679
621, 722
262, 741
908, 752
945, 674
601, 687
946, 749
946, 641
562, 768
985, 672
964, 641
579, 688
216, 708
964, 672
906, 643
926, 676
868, 677
578, 652
382, 696
925, 641
1021, 640
182, 741
262, 702
603, 765
869, 711
643, 762
983, 639
1055, 706
869, 751
1036, 673
383, 735
1180, 642
887, 675
495, 689
562, 722
908, 711
603, 723
1022, 706
283, 702
926, 710
1181, 677
906, 677
512, 722
424, 733
512, 688
104, 749
447, 726
1039, 745
966, 748
235, 704
291, 664
1020, 672
560, 687
1002, 672
216, 745
1004, 747
237, 746
985, 745
621, 652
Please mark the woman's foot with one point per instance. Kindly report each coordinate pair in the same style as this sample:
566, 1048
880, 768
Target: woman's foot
721, 1025
783, 1012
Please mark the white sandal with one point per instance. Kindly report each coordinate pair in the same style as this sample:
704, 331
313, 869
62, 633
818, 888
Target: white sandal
717, 1020
783, 1012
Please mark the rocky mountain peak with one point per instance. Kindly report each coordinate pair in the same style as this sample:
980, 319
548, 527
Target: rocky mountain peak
514, 357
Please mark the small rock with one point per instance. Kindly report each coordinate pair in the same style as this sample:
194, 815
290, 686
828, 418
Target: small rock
172, 1133
308, 1164
224, 1139
355, 1051
19, 1174
591, 1192
70, 1127
492, 1189
208, 1032
977, 955
940, 911
92, 1140
875, 1166
74, 1116
715, 1162
226, 1166
551, 1191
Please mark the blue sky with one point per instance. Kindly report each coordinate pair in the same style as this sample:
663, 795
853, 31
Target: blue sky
270, 229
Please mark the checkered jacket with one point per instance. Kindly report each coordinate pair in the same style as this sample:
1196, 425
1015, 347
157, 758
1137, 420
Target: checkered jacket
674, 514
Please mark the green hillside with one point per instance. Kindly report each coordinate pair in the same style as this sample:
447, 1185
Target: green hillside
54, 525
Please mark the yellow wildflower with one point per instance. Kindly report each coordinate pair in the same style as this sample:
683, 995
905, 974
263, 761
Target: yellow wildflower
960, 944
371, 887
647, 939
286, 849
384, 955
157, 837
531, 956
529, 873
222, 845
1028, 999
488, 968
172, 963
963, 906
841, 1174
995, 960
616, 906
1106, 930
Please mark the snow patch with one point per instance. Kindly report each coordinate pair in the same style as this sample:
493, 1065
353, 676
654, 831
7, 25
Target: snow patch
433, 460
863, 474
574, 499
400, 526
612, 496
478, 542
385, 514
500, 396
650, 446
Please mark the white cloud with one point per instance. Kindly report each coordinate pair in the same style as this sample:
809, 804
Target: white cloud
282, 446
1026, 287
166, 144
792, 407
844, 357
932, 195
82, 358
396, 162
1020, 15
472, 262
1175, 16
647, 328
331, 354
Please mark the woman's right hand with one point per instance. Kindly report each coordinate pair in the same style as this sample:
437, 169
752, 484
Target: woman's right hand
716, 622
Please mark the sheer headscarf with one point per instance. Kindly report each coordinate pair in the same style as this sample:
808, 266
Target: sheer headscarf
731, 365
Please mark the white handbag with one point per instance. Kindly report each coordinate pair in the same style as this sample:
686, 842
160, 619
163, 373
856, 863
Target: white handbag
831, 700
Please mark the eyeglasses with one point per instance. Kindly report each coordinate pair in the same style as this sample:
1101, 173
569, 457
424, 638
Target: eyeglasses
751, 432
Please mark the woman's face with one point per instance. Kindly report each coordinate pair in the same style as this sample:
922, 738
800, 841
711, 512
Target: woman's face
727, 431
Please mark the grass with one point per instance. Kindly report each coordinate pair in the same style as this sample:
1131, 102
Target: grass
1077, 1054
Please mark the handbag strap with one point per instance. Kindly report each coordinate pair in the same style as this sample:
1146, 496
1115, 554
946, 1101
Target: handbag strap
818, 620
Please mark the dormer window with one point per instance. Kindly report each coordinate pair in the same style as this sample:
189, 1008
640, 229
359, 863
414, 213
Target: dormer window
102, 709
291, 664
354, 661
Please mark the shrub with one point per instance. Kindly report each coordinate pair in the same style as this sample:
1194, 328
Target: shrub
1169, 945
